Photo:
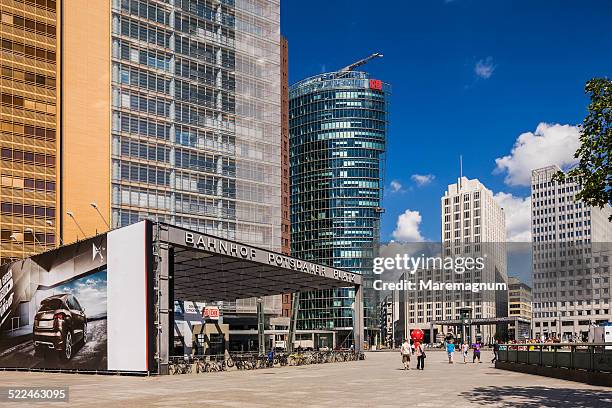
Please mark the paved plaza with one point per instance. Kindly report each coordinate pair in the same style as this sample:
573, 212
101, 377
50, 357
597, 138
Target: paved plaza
379, 381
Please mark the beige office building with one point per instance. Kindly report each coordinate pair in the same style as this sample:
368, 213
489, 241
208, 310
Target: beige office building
572, 266
520, 298
168, 110
29, 142
473, 225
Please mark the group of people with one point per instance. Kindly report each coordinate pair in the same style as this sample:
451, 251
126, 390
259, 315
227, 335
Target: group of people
465, 348
417, 349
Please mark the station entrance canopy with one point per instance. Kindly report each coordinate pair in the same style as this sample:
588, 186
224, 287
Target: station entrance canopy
209, 268
196, 266
115, 295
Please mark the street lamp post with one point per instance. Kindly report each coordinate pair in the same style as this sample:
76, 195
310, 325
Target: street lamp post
50, 223
71, 215
36, 241
14, 237
95, 207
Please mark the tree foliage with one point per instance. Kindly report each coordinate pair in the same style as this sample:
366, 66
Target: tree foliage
594, 170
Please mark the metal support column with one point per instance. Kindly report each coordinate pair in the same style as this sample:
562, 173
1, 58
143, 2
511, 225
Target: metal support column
516, 331
295, 306
358, 318
261, 337
431, 333
165, 307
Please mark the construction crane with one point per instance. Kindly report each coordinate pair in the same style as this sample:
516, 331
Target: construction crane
361, 62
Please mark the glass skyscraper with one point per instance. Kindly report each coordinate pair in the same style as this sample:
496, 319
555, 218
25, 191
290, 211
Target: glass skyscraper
338, 125
196, 105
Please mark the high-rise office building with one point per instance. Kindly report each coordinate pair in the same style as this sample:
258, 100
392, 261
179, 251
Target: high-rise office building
338, 125
520, 299
473, 225
28, 127
168, 110
390, 336
172, 111
571, 259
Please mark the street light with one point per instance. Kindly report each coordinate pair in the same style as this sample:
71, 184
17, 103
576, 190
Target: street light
36, 241
50, 223
71, 215
95, 207
15, 237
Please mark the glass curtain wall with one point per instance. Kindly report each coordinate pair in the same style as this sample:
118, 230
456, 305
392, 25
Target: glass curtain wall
338, 125
196, 116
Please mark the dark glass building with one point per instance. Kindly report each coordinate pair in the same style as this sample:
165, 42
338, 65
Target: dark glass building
337, 126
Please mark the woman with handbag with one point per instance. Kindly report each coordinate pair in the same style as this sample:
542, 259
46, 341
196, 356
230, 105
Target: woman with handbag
420, 354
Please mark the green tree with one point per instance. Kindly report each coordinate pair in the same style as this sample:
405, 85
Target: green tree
594, 170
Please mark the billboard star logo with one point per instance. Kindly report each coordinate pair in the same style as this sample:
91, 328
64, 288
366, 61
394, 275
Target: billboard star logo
97, 251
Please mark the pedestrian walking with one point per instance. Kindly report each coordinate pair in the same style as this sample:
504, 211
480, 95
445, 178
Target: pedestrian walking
405, 351
476, 347
271, 358
464, 350
450, 350
419, 351
495, 351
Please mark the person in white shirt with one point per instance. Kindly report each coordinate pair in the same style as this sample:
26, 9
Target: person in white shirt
464, 350
405, 350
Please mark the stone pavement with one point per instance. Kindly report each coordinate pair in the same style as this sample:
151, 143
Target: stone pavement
378, 381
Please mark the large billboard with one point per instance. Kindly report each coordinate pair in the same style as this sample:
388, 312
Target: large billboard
81, 307
54, 308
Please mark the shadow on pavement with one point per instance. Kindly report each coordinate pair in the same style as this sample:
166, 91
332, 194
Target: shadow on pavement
532, 397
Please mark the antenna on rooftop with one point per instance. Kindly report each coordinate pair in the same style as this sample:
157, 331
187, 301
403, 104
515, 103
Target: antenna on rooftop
460, 170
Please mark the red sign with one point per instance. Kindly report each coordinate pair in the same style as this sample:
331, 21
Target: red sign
376, 84
210, 312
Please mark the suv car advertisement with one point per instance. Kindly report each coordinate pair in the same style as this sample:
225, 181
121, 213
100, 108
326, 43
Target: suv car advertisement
53, 309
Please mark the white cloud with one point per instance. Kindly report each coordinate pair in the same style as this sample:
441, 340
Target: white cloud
484, 68
422, 179
91, 294
518, 216
395, 186
549, 144
407, 228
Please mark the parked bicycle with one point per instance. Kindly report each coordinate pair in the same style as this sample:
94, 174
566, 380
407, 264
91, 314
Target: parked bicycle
214, 363
254, 361
179, 365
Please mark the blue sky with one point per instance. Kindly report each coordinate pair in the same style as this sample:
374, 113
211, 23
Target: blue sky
469, 77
